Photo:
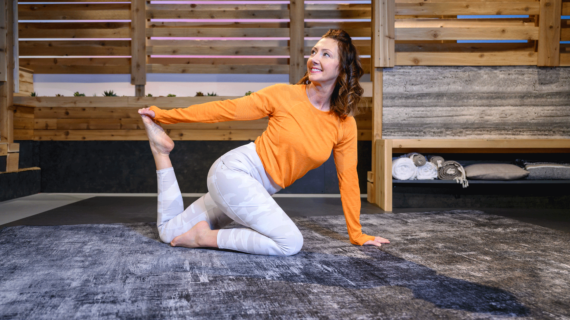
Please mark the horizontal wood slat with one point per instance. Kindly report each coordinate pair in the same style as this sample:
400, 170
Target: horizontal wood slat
256, 14
74, 30
463, 23
217, 43
90, 135
219, 61
248, 24
75, 48
108, 11
472, 33
137, 124
468, 8
200, 50
217, 32
175, 134
112, 107
465, 59
212, 69
48, 1
78, 65
464, 1
481, 143
463, 47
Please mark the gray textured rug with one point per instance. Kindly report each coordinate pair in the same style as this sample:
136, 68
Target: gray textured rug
454, 264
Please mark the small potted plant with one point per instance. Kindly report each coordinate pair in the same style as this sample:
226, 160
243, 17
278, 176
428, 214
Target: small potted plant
171, 95
199, 94
248, 93
77, 94
213, 94
109, 94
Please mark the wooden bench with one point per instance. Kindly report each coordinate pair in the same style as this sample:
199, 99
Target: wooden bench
379, 185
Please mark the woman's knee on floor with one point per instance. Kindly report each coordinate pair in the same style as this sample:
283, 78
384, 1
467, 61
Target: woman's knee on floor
292, 243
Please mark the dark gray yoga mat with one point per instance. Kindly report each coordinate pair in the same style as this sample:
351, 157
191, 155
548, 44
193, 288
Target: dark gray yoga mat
452, 264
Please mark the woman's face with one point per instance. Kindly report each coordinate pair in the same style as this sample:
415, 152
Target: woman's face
324, 61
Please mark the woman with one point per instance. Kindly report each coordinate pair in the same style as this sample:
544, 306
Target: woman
306, 122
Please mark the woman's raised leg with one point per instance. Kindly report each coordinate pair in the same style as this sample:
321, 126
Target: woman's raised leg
172, 219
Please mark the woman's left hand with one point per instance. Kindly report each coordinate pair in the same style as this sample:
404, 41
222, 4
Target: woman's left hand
376, 242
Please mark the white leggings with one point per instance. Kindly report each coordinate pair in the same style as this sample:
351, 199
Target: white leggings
239, 190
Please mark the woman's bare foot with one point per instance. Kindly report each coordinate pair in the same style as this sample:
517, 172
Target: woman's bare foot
200, 235
160, 142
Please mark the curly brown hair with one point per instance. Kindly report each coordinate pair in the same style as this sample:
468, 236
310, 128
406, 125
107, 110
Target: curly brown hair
347, 91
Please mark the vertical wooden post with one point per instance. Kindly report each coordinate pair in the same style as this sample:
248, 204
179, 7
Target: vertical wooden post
549, 33
138, 46
16, 51
297, 67
383, 33
383, 55
6, 71
3, 40
383, 174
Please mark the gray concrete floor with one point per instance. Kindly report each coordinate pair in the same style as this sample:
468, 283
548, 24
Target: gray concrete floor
68, 209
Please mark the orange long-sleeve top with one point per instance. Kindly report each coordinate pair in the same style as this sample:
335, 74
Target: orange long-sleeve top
298, 138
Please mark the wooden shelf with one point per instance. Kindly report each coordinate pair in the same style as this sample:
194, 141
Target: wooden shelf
482, 182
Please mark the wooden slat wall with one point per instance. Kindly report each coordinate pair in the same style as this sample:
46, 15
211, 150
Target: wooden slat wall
423, 34
116, 118
424, 24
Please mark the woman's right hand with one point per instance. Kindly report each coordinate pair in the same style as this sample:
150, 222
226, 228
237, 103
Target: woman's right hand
147, 112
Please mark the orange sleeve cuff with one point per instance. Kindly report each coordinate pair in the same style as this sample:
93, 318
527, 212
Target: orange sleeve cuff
361, 239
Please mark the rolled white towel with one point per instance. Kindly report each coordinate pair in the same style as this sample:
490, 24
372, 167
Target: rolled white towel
427, 172
404, 169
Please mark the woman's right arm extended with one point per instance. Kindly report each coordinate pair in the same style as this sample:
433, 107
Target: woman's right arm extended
255, 106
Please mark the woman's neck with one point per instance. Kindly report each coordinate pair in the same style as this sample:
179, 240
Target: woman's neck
320, 95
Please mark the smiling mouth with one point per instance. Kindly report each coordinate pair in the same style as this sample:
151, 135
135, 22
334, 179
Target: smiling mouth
316, 70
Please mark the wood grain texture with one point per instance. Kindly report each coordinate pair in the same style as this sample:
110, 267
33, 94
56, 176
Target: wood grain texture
12, 162
383, 174
108, 11
297, 67
7, 86
468, 8
74, 30
138, 43
468, 33
78, 65
466, 58
3, 41
383, 34
549, 42
75, 48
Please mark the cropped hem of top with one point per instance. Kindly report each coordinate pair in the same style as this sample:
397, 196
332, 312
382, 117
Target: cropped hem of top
299, 137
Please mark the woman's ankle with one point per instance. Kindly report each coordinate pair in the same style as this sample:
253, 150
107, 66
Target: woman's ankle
162, 161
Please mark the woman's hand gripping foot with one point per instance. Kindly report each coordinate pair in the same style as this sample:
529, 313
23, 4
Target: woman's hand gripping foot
200, 235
